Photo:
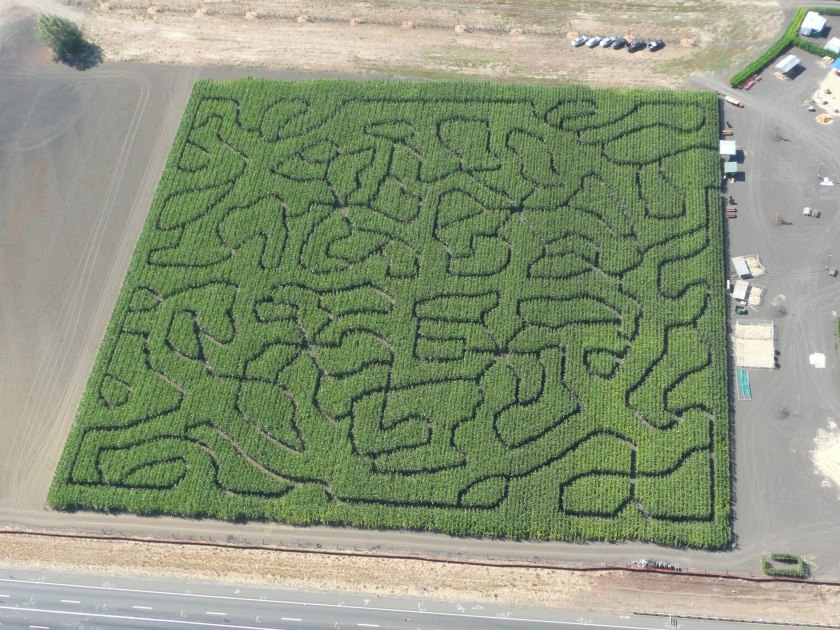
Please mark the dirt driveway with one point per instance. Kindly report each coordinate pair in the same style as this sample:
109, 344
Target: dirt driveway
516, 40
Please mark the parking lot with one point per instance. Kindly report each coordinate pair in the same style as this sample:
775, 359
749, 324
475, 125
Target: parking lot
782, 502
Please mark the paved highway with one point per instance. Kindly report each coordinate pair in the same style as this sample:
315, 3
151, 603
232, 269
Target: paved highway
35, 600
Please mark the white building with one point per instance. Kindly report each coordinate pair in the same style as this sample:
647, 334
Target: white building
787, 64
812, 25
728, 148
833, 45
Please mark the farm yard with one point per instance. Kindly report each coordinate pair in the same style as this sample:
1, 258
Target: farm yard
475, 309
80, 157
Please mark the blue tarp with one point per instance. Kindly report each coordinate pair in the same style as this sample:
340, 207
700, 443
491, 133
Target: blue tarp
836, 64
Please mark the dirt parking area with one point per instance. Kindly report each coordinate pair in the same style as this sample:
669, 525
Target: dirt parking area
514, 40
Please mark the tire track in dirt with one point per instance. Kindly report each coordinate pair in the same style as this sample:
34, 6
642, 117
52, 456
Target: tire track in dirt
41, 446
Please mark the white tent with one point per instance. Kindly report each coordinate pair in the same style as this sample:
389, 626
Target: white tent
741, 288
728, 147
833, 45
741, 267
787, 64
817, 359
813, 24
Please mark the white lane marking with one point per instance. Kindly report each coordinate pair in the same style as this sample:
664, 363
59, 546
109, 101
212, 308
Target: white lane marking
290, 619
40, 627
7, 596
309, 605
205, 624
368, 625
142, 607
70, 601
218, 614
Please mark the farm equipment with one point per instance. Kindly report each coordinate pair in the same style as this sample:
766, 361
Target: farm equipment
746, 85
733, 101
727, 132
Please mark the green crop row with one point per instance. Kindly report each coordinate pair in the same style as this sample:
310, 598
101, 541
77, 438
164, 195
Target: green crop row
790, 38
481, 310
784, 565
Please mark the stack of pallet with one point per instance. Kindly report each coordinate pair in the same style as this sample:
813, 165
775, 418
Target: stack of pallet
731, 212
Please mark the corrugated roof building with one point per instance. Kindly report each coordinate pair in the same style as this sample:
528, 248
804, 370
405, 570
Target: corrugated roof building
812, 25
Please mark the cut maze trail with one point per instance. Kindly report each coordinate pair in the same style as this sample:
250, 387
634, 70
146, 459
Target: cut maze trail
482, 310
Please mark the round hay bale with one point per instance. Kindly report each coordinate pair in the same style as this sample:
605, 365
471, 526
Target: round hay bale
355, 21
516, 32
104, 6
302, 19
687, 42
460, 28
152, 10
407, 25
250, 15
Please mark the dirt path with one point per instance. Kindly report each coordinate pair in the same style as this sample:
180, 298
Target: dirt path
511, 40
567, 590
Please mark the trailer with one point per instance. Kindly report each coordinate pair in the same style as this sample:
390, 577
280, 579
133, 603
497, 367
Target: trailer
733, 101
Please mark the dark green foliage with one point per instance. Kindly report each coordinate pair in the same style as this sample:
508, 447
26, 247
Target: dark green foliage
482, 310
785, 565
789, 38
68, 44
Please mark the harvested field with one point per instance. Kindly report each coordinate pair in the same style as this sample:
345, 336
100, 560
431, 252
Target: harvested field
510, 41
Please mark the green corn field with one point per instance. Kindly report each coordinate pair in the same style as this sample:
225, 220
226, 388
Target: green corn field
474, 309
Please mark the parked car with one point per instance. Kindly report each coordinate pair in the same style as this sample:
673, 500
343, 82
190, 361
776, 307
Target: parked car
607, 41
579, 41
619, 42
636, 44
655, 45
593, 41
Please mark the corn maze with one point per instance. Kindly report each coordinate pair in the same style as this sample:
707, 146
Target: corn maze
473, 309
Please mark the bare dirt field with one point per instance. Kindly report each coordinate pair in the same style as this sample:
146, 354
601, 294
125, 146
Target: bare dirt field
514, 40
565, 590
80, 157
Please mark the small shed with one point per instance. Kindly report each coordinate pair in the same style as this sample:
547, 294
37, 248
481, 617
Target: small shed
741, 267
833, 45
728, 148
730, 168
812, 25
787, 64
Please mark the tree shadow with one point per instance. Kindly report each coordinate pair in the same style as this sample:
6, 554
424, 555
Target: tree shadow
85, 57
